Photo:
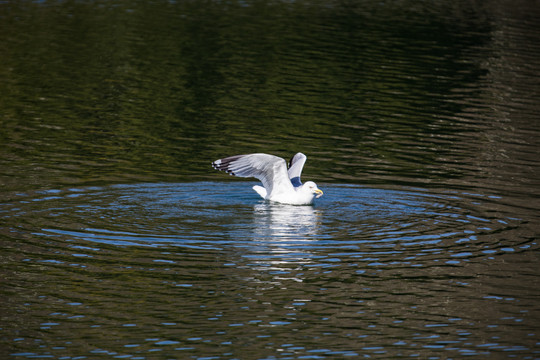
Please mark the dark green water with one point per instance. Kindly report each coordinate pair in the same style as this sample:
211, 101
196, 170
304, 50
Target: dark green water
421, 124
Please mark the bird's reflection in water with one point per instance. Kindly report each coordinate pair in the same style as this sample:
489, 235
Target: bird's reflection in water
284, 235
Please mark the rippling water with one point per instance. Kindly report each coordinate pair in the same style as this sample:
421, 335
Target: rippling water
420, 123
208, 268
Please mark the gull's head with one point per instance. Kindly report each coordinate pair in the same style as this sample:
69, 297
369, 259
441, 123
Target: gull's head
312, 187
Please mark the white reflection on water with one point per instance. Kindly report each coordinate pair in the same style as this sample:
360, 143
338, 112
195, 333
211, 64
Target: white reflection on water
277, 222
281, 233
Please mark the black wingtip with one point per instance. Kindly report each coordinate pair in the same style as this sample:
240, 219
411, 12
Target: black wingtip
289, 164
223, 164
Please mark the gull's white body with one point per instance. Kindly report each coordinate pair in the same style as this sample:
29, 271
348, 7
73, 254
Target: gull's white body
279, 183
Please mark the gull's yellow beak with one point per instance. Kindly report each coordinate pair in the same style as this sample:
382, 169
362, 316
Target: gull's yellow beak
319, 193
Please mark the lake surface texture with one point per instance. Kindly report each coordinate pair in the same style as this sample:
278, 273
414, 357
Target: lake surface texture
421, 123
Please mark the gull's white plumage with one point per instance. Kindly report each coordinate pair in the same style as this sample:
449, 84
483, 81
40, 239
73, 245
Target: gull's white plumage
280, 184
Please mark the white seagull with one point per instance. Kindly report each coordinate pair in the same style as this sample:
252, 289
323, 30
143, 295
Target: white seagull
280, 185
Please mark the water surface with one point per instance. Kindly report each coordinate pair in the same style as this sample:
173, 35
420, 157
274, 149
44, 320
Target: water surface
209, 268
420, 123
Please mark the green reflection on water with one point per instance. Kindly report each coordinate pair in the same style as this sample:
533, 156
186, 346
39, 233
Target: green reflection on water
119, 92
110, 92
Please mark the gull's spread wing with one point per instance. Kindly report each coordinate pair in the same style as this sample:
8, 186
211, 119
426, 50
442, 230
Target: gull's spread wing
269, 169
